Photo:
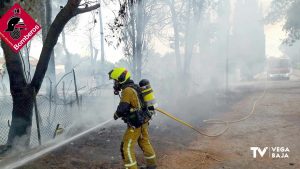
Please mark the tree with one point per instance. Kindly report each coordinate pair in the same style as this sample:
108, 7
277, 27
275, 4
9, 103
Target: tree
293, 52
51, 73
68, 59
175, 25
23, 93
45, 15
184, 21
68, 29
287, 11
102, 50
292, 24
248, 38
221, 46
130, 27
140, 29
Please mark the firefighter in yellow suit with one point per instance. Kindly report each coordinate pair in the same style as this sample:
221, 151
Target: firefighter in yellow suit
130, 102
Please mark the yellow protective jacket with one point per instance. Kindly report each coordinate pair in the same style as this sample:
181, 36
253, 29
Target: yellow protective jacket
129, 102
130, 96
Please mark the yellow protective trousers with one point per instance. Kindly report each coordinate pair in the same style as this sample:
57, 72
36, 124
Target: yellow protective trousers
130, 138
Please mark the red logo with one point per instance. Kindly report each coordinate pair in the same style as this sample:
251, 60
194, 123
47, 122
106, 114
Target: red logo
17, 27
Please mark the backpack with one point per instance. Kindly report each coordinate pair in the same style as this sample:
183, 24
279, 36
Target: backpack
142, 115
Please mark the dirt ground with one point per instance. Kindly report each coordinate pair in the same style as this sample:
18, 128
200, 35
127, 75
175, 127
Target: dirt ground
274, 124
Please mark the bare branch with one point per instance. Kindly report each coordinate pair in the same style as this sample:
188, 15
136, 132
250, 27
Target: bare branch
87, 9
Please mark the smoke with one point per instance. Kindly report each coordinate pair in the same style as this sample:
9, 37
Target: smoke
188, 48
193, 52
220, 50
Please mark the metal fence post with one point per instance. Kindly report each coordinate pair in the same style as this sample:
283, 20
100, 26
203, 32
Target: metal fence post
57, 127
50, 102
37, 117
75, 84
64, 94
80, 101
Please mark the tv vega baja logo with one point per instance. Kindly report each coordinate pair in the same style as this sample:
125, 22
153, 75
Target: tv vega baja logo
17, 27
273, 152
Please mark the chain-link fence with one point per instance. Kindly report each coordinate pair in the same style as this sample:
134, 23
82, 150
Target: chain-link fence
51, 113
5, 117
63, 107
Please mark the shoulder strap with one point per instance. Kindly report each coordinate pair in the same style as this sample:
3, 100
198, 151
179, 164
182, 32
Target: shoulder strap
139, 94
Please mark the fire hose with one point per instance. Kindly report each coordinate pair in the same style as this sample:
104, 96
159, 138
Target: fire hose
214, 121
190, 126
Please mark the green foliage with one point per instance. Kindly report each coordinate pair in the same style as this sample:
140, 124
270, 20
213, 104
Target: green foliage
287, 11
278, 10
292, 24
248, 39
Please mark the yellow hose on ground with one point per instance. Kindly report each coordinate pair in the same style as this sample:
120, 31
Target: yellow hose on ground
214, 121
190, 126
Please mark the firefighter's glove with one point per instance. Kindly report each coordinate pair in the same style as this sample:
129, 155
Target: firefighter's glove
125, 119
116, 116
122, 110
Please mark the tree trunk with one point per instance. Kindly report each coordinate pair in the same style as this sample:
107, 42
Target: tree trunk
51, 72
176, 36
101, 37
191, 29
20, 129
139, 39
22, 95
102, 46
56, 28
91, 53
133, 39
68, 60
43, 19
188, 45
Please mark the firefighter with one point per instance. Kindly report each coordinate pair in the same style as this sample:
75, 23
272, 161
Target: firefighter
131, 103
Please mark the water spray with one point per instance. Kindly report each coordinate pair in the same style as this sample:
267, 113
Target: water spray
209, 121
49, 149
